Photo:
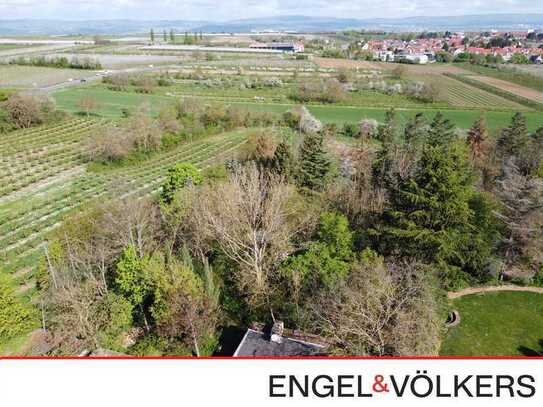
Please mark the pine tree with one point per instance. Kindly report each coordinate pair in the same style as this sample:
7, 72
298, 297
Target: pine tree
430, 217
152, 35
477, 137
441, 131
514, 139
315, 166
283, 160
416, 129
386, 133
172, 36
165, 36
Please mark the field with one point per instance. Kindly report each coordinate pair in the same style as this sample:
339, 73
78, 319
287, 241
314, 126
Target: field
111, 105
44, 177
497, 324
461, 95
345, 64
30, 76
529, 76
513, 88
116, 61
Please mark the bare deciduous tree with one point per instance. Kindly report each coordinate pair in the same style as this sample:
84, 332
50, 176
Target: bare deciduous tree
87, 105
380, 310
248, 217
522, 199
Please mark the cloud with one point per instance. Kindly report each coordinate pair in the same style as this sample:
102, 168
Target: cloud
239, 9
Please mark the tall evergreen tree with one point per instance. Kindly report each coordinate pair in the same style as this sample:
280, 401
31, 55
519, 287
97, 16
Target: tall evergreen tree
441, 131
283, 160
431, 217
386, 133
165, 36
172, 36
514, 139
315, 166
152, 35
416, 129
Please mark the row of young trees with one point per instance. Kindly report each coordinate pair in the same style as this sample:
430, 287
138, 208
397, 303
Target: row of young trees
357, 247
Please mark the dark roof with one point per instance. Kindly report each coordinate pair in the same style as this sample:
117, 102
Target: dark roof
256, 343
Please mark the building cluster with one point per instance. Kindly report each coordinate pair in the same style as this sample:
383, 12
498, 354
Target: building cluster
279, 46
424, 50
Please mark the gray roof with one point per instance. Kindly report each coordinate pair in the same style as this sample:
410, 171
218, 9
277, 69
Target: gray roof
256, 343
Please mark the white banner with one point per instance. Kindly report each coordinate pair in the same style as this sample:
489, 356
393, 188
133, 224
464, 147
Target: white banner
258, 382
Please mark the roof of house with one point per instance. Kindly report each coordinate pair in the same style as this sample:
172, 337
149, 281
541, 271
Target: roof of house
258, 343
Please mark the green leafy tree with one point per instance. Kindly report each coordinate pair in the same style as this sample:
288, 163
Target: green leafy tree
314, 164
130, 276
165, 36
179, 176
325, 261
172, 36
441, 131
16, 318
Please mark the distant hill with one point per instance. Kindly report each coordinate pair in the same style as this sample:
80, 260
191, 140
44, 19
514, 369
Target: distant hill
281, 23
90, 27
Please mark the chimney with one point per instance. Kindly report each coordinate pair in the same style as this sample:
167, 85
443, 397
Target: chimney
277, 332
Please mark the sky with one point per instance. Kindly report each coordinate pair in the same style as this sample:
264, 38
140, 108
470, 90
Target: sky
224, 10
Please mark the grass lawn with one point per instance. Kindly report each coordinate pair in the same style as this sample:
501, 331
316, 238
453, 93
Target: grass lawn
497, 324
111, 105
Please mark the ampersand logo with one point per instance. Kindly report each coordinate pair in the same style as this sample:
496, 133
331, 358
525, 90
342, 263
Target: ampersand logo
379, 386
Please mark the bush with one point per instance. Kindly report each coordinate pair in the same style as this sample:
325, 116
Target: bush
350, 130
179, 176
318, 90
16, 318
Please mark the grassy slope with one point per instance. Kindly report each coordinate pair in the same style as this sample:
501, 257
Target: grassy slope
496, 324
112, 103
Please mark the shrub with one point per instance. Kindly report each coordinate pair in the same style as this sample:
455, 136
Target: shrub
15, 317
179, 176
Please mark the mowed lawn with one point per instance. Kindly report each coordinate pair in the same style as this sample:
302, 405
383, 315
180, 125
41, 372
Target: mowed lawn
497, 324
111, 105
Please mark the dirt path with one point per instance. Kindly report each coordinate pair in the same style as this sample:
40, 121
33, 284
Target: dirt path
478, 290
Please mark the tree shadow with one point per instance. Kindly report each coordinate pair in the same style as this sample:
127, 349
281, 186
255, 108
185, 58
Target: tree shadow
229, 340
533, 353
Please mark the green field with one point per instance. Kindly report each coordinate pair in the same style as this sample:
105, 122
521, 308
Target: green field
497, 324
111, 104
15, 76
43, 177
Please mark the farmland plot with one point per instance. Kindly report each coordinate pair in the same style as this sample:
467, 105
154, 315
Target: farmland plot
29, 77
462, 95
513, 88
44, 177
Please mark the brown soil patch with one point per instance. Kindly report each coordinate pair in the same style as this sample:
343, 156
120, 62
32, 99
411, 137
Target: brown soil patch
334, 63
515, 89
